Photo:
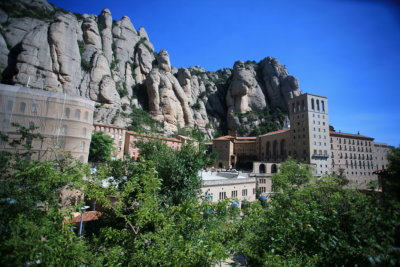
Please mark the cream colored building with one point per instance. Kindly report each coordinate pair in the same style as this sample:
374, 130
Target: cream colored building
65, 121
309, 140
117, 134
352, 155
380, 150
222, 185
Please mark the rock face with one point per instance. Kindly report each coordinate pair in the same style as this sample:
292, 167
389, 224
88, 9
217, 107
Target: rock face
116, 65
168, 102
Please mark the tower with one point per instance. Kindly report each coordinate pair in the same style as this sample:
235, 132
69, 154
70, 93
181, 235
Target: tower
309, 123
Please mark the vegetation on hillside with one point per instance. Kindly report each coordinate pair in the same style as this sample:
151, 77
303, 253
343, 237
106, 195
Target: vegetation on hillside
101, 147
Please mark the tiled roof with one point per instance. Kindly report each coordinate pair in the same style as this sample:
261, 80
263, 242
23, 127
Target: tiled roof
226, 137
87, 216
358, 136
276, 132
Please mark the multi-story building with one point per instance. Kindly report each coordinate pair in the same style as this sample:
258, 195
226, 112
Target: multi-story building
352, 156
64, 121
381, 150
310, 141
118, 136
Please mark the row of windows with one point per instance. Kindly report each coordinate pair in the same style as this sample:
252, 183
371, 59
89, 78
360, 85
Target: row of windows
319, 130
315, 105
108, 129
353, 142
318, 116
77, 114
354, 156
319, 143
318, 123
319, 152
354, 164
359, 149
35, 108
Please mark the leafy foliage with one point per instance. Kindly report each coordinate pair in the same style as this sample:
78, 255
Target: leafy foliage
101, 147
178, 170
142, 122
318, 224
269, 120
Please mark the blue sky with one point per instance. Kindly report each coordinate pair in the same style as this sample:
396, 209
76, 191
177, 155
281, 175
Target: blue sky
347, 50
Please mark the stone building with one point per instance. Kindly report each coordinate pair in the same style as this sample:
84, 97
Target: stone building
118, 136
308, 140
218, 186
352, 155
132, 137
381, 150
65, 121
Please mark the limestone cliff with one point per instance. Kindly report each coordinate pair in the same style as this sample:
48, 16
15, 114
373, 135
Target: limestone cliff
112, 63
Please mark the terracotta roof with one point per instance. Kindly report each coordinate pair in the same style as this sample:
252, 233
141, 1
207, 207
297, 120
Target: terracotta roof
108, 126
87, 216
226, 137
248, 137
358, 136
276, 132
154, 136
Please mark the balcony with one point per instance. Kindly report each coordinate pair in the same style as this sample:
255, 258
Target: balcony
319, 156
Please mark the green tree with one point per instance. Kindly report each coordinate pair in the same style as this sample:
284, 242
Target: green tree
319, 223
101, 147
32, 223
291, 175
178, 170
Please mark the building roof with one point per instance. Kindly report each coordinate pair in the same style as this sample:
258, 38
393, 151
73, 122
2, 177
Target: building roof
276, 132
86, 216
348, 135
173, 139
108, 126
226, 137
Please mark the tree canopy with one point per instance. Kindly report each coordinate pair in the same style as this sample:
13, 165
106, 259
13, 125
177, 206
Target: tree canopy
101, 147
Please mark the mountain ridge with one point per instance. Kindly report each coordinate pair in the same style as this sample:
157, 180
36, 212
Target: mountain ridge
112, 63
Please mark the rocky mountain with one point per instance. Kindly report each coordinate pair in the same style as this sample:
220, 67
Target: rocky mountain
116, 65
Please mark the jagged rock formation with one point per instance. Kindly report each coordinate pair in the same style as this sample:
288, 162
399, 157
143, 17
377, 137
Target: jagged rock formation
116, 65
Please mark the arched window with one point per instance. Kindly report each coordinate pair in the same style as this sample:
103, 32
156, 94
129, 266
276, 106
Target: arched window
293, 108
86, 115
84, 132
78, 113
82, 145
312, 103
317, 104
22, 107
323, 105
67, 112
10, 105
274, 169
274, 148
298, 106
261, 168
303, 106
267, 150
5, 124
283, 148
64, 129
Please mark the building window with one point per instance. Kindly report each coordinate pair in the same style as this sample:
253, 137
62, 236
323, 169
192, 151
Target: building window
84, 132
34, 108
67, 111
86, 115
323, 105
5, 124
263, 189
244, 192
10, 105
82, 145
64, 129
234, 193
317, 104
312, 103
22, 107
222, 195
78, 113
